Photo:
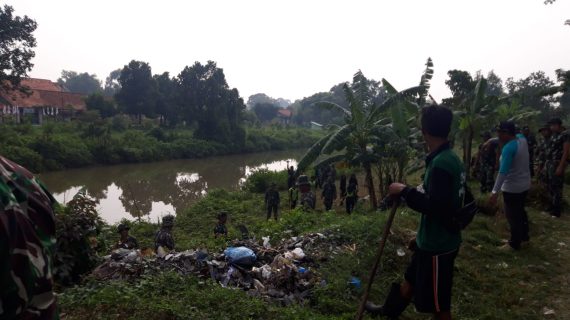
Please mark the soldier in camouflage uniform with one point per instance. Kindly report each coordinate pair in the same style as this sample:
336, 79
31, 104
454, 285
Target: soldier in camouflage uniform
329, 193
272, 201
557, 155
488, 163
27, 244
163, 240
541, 152
126, 241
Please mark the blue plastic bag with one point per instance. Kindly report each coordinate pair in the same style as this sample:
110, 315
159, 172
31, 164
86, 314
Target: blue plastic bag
240, 255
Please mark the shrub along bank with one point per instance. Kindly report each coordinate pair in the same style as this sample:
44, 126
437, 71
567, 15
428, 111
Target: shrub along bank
72, 145
489, 283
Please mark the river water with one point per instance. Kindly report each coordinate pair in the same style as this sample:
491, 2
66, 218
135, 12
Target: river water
160, 188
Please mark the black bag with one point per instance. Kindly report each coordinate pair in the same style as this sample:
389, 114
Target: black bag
464, 215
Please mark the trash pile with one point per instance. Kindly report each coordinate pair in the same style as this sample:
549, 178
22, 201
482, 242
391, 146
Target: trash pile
285, 273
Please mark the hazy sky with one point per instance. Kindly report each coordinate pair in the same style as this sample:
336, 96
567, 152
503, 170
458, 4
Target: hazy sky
292, 48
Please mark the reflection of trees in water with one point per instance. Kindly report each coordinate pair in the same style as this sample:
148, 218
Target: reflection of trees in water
178, 183
131, 198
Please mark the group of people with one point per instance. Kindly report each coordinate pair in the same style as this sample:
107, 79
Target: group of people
28, 229
348, 190
505, 165
163, 240
547, 160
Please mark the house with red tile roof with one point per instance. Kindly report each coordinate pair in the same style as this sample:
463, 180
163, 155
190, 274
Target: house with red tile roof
38, 99
284, 115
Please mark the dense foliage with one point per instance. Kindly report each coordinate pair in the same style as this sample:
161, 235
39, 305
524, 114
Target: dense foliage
84, 83
259, 181
78, 225
56, 146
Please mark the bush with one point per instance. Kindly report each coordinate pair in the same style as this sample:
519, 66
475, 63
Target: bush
260, 180
66, 151
120, 122
78, 224
23, 156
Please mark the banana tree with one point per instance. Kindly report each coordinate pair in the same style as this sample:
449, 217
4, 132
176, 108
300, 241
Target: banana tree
471, 118
399, 140
352, 142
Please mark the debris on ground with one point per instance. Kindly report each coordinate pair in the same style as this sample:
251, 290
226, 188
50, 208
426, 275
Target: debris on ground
285, 272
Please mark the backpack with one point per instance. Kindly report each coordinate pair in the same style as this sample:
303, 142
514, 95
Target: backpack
464, 215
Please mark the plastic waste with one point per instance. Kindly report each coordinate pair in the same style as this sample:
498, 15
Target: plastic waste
296, 254
266, 243
356, 282
228, 277
266, 272
400, 252
240, 255
160, 252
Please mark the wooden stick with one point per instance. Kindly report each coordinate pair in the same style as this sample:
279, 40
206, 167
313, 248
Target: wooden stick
378, 258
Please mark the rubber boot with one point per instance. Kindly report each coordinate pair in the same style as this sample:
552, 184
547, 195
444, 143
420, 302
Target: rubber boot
394, 305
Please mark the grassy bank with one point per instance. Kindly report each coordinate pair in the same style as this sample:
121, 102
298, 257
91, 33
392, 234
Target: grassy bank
56, 146
489, 283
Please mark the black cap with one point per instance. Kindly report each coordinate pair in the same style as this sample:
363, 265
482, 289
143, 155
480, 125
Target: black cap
507, 126
555, 121
122, 227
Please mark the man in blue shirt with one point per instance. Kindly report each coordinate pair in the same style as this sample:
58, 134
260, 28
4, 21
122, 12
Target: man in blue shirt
514, 181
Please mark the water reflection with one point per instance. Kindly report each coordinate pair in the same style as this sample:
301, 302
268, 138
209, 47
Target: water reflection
156, 189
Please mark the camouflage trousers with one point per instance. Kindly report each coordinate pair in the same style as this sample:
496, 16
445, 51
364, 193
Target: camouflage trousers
555, 187
487, 177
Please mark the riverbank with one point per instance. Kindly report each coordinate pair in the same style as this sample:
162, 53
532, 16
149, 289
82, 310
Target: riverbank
58, 146
154, 189
489, 283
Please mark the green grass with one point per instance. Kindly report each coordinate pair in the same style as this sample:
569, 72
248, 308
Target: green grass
489, 283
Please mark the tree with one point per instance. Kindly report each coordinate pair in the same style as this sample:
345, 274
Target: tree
166, 104
84, 83
16, 46
470, 118
353, 140
561, 91
470, 99
531, 91
263, 98
494, 85
265, 111
138, 90
105, 106
259, 98
112, 85
206, 98
461, 84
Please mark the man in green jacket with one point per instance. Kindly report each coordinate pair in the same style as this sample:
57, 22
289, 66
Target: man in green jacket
428, 279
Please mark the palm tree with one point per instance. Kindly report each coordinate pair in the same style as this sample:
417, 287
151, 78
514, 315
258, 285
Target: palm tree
353, 142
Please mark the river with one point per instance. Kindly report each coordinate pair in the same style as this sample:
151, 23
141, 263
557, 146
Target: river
160, 188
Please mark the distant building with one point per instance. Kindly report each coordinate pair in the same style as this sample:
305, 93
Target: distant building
284, 116
42, 99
